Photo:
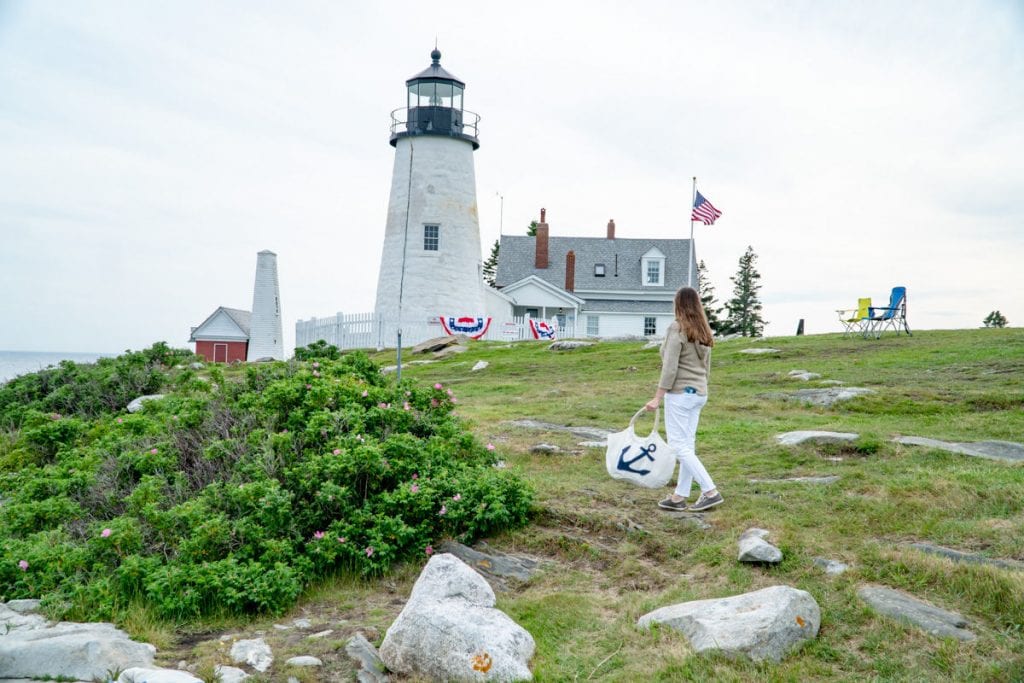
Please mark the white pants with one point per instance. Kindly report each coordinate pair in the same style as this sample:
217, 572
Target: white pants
682, 412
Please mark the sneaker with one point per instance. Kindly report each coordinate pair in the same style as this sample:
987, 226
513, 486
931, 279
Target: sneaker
669, 504
706, 502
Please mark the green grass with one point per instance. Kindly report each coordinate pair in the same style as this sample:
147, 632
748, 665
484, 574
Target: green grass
613, 556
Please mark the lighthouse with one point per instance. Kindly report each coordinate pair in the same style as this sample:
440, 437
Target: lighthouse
265, 338
430, 265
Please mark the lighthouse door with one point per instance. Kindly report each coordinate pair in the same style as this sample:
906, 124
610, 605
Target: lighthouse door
220, 353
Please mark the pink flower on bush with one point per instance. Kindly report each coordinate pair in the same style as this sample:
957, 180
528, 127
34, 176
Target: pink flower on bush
336, 451
23, 564
415, 488
318, 535
434, 403
369, 551
309, 386
55, 416
457, 497
405, 406
119, 421
490, 446
316, 374
454, 400
341, 539
316, 364
408, 394
284, 431
443, 511
415, 476
152, 451
365, 393
105, 533
429, 550
438, 386
382, 405
175, 418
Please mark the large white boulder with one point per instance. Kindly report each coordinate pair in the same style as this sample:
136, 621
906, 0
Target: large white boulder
256, 653
136, 405
79, 652
763, 625
450, 630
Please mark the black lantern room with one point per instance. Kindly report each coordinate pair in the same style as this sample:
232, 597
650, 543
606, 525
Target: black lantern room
434, 107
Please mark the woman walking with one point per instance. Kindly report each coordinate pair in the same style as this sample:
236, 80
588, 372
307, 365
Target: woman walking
685, 368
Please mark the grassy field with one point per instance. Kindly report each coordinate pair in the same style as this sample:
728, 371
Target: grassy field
612, 556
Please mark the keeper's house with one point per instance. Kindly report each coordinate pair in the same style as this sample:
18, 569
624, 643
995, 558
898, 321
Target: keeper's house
602, 286
224, 336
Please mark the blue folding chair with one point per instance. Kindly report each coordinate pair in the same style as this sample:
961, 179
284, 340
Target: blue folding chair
895, 316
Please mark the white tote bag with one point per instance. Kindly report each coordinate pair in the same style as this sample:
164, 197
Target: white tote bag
642, 460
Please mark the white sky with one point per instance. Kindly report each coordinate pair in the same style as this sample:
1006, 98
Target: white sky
148, 150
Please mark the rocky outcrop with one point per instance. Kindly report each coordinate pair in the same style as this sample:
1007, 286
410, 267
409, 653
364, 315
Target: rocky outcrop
449, 630
569, 345
256, 653
824, 397
811, 436
496, 566
762, 625
364, 654
908, 609
1007, 451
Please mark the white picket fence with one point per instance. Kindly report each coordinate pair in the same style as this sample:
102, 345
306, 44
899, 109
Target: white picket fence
366, 331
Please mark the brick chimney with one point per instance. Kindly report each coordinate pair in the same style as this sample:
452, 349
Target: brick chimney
611, 229
570, 271
541, 260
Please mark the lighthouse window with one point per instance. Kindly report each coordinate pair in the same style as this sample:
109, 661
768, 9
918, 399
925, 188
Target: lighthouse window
431, 237
457, 98
426, 94
443, 97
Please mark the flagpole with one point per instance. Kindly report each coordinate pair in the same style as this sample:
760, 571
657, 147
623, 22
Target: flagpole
693, 201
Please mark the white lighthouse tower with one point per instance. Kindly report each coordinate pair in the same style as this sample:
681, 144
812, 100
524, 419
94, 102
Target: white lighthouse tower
430, 265
265, 338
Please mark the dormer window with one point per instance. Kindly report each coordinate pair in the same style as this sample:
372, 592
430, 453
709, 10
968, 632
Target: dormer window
652, 268
598, 270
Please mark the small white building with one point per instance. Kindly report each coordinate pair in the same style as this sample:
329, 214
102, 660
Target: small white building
603, 286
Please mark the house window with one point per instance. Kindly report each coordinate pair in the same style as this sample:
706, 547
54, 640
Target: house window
593, 329
653, 273
598, 270
650, 326
532, 312
431, 237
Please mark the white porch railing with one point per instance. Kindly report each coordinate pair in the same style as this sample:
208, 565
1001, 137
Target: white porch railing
366, 331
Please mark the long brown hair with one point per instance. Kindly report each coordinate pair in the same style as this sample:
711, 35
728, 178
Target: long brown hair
693, 324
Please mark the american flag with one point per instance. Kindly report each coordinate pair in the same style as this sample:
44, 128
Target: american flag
703, 211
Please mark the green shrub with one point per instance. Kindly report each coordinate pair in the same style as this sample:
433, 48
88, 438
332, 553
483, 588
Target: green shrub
231, 496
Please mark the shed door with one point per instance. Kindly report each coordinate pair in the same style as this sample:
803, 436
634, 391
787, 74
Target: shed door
220, 353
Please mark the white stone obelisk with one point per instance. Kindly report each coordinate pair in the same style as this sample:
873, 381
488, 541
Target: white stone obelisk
265, 337
431, 265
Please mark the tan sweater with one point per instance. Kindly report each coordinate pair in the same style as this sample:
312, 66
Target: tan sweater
683, 363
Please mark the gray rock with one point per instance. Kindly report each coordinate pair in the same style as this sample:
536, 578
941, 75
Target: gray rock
697, 519
282, 627
371, 668
230, 674
197, 366
136, 405
653, 344
302, 623
826, 397
832, 382
569, 345
304, 660
256, 653
545, 449
908, 609
593, 444
435, 344
1007, 451
30, 648
320, 634
388, 369
450, 351
753, 547
581, 432
758, 351
144, 675
804, 375
492, 563
479, 365
24, 606
829, 479
449, 629
832, 567
763, 625
968, 558
810, 436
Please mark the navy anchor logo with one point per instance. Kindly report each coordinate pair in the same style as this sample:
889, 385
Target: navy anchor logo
625, 465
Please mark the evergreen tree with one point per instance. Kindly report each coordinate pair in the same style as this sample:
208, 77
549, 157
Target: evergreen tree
995, 319
491, 264
532, 230
744, 309
707, 298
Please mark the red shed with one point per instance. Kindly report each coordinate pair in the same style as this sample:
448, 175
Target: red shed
224, 336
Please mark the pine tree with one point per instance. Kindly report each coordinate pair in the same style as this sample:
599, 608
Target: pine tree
744, 309
707, 298
532, 230
995, 319
491, 264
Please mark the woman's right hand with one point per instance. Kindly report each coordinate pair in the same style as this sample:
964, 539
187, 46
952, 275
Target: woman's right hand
653, 404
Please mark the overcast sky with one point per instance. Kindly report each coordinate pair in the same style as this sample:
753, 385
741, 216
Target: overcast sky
149, 150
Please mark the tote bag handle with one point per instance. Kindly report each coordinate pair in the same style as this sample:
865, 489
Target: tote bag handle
657, 418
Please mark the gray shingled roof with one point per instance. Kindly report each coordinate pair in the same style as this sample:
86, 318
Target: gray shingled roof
240, 318
517, 253
604, 306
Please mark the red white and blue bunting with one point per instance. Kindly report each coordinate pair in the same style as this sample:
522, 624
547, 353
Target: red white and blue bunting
474, 327
541, 329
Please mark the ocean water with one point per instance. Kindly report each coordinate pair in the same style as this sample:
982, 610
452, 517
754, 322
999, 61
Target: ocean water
14, 363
